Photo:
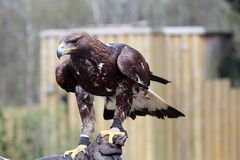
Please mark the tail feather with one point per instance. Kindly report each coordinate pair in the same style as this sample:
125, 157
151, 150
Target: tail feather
157, 107
159, 79
144, 103
170, 112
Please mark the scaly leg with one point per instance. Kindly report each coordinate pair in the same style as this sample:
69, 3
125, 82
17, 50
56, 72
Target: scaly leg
124, 99
85, 107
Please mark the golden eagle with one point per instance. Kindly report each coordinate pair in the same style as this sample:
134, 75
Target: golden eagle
115, 71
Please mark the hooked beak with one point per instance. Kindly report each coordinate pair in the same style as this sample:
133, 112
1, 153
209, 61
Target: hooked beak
63, 50
60, 50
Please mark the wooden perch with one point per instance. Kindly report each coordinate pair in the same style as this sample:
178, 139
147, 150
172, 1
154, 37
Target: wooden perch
99, 149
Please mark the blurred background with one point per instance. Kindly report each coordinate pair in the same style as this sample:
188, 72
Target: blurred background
195, 44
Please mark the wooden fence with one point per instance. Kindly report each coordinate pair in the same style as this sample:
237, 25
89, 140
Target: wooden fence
210, 130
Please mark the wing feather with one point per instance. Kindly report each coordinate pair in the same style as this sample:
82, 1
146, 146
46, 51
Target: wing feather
64, 77
133, 65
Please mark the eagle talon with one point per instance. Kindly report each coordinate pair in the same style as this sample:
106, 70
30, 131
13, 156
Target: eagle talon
74, 152
111, 133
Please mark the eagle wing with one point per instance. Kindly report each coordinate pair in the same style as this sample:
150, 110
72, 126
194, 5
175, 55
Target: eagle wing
64, 76
133, 65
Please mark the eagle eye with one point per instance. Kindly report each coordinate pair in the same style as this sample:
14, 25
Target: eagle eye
73, 41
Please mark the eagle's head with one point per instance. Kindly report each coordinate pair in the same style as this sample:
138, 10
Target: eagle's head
73, 43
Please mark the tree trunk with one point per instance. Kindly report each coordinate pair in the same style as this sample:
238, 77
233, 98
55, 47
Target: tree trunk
30, 53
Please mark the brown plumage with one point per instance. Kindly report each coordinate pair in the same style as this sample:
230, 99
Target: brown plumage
115, 71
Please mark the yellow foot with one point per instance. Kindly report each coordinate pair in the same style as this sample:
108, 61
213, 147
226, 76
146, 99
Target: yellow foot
111, 133
74, 152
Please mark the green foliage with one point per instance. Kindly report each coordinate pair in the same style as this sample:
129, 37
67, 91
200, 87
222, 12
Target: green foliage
2, 132
34, 133
32, 124
22, 141
235, 4
230, 68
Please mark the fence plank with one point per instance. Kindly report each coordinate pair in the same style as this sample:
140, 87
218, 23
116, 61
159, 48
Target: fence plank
43, 69
208, 112
232, 110
185, 138
217, 121
225, 117
236, 131
170, 147
157, 51
177, 101
197, 55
